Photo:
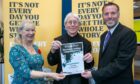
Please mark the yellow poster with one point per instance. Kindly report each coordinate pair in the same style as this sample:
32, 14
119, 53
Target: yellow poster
46, 15
90, 13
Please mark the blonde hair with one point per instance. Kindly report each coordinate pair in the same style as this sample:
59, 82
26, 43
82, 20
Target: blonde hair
24, 24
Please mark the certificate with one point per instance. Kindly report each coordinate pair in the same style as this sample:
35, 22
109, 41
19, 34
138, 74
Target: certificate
72, 58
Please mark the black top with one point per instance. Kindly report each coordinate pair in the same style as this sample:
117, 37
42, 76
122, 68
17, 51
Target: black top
54, 58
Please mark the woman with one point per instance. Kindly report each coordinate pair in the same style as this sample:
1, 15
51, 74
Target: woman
26, 58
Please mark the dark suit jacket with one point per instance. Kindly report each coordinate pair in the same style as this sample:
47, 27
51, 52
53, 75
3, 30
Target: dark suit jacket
115, 62
54, 58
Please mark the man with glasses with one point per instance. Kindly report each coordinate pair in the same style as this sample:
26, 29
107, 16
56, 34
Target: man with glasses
72, 24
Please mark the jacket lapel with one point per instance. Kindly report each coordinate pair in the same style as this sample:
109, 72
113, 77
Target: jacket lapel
112, 36
102, 42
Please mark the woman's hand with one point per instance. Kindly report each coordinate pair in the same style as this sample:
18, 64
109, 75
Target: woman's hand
56, 76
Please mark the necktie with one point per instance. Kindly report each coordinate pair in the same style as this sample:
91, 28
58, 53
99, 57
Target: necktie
106, 39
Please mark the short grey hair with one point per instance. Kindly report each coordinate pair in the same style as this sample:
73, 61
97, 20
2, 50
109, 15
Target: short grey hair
72, 14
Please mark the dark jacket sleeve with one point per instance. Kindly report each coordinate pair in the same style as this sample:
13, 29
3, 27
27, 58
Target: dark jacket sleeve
53, 58
87, 49
122, 60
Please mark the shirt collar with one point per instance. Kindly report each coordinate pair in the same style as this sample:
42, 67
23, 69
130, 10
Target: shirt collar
112, 29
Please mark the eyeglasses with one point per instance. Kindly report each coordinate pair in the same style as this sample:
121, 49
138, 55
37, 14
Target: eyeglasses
74, 22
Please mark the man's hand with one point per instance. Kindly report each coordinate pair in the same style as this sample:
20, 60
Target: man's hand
87, 74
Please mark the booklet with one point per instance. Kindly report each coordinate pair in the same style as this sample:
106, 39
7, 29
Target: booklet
72, 58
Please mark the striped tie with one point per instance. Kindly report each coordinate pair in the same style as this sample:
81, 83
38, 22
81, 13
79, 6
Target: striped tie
106, 39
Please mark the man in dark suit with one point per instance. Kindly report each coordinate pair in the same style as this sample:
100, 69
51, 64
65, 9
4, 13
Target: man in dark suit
117, 49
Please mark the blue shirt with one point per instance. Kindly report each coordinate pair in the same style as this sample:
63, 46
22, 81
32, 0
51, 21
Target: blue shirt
23, 62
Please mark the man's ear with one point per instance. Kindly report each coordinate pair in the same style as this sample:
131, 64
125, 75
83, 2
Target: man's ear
118, 14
